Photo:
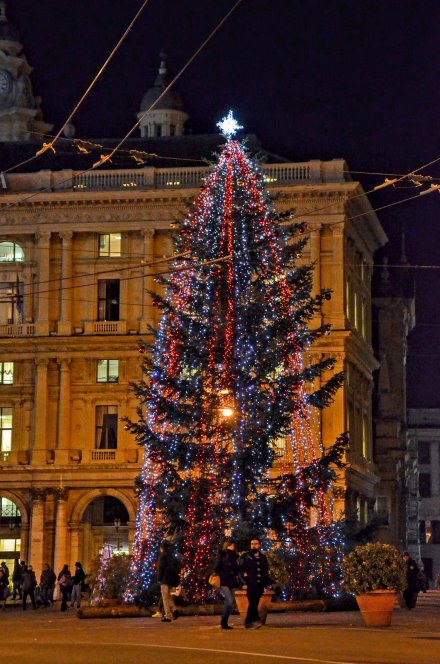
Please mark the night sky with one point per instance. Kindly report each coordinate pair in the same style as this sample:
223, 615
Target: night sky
357, 79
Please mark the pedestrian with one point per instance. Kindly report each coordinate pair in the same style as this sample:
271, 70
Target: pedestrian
17, 576
47, 585
77, 584
226, 567
168, 574
5, 569
4, 588
413, 581
64, 582
28, 585
254, 569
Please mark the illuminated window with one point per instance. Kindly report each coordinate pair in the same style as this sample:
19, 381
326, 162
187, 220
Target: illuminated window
106, 427
8, 508
9, 545
6, 373
107, 371
11, 252
5, 429
110, 245
365, 435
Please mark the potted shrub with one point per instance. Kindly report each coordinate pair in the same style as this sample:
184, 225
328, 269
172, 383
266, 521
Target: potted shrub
108, 578
375, 573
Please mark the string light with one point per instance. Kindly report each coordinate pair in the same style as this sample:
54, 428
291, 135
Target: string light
224, 382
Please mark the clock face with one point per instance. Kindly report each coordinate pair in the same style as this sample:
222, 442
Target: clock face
5, 82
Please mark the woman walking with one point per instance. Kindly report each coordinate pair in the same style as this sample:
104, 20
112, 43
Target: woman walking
227, 568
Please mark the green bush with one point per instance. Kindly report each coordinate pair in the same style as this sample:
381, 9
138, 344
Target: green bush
374, 566
109, 580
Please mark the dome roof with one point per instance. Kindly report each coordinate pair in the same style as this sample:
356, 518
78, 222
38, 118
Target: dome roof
171, 100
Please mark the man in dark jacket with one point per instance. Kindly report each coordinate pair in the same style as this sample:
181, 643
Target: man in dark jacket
168, 571
47, 585
17, 576
28, 585
255, 572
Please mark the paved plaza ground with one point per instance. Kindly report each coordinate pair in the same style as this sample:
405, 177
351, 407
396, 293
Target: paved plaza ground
48, 636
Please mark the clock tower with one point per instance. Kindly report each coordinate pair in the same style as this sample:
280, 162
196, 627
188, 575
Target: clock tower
20, 113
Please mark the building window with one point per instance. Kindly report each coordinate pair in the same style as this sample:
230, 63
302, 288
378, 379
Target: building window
158, 130
6, 373
11, 252
107, 371
8, 509
424, 485
106, 427
365, 445
424, 452
172, 129
383, 510
11, 302
427, 568
5, 429
108, 299
9, 545
110, 245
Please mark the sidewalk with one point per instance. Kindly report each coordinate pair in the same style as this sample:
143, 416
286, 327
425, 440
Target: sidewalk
33, 637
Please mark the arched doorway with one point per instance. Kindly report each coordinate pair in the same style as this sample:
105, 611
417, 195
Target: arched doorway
105, 523
10, 531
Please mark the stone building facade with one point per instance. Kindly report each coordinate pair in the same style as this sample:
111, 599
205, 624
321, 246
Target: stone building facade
79, 249
424, 437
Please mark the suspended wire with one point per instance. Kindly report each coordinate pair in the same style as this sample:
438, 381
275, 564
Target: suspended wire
106, 158
50, 146
137, 266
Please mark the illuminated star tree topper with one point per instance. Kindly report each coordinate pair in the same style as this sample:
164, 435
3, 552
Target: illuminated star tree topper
229, 125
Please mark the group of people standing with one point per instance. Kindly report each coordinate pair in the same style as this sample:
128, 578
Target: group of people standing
25, 585
250, 571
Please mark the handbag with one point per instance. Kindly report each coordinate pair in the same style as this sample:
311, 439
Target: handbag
214, 580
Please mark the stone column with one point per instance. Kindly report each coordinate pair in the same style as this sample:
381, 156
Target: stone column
63, 438
28, 295
75, 528
337, 316
148, 311
65, 322
36, 531
315, 258
40, 415
60, 553
43, 285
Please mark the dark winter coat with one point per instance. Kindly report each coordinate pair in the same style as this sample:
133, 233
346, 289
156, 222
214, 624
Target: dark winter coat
17, 574
412, 575
3, 586
254, 569
79, 576
168, 569
5, 569
47, 578
28, 581
226, 566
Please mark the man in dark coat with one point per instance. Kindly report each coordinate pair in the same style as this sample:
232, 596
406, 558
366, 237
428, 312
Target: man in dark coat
17, 576
168, 575
255, 572
413, 581
28, 585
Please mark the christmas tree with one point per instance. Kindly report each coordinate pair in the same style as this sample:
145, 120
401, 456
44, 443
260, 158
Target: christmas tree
226, 414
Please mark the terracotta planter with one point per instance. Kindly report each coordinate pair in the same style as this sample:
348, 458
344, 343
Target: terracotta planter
377, 607
263, 605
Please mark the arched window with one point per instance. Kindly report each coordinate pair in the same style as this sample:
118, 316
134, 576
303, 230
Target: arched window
11, 252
